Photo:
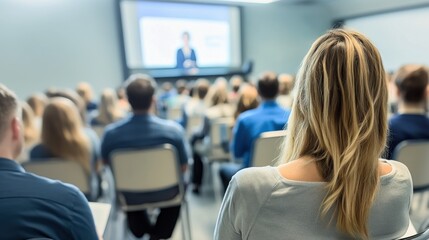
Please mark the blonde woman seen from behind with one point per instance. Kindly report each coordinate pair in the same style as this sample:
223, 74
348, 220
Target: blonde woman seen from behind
62, 135
108, 109
331, 183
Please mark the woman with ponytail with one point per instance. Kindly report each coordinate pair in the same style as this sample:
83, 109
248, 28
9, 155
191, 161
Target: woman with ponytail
331, 182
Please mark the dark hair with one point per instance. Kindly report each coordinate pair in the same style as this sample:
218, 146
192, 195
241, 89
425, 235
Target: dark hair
412, 83
202, 87
268, 85
180, 86
140, 89
8, 104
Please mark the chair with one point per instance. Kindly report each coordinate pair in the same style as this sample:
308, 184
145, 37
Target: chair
212, 147
63, 170
415, 155
267, 148
99, 130
193, 122
419, 236
150, 178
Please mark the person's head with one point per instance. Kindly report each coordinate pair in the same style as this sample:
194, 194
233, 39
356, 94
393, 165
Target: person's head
140, 89
285, 83
181, 87
202, 87
73, 97
220, 96
411, 82
236, 82
268, 86
248, 99
167, 86
120, 93
37, 102
339, 119
108, 108
84, 90
11, 136
31, 133
186, 37
62, 132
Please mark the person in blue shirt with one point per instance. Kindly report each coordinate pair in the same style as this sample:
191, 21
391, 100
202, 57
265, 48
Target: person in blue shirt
269, 116
33, 206
143, 129
411, 122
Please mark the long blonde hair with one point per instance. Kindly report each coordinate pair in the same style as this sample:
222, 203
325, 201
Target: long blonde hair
31, 132
62, 132
339, 119
108, 109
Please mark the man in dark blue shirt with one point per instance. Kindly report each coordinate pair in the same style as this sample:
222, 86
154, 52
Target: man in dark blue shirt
269, 116
411, 123
33, 206
143, 129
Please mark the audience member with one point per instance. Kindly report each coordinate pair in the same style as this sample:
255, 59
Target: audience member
182, 96
235, 83
248, 99
285, 97
122, 99
196, 106
165, 99
63, 137
84, 90
143, 129
108, 109
334, 185
38, 102
30, 131
269, 116
411, 122
219, 109
34, 207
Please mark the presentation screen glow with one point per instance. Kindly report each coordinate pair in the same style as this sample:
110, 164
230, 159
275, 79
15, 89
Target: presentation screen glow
402, 37
165, 35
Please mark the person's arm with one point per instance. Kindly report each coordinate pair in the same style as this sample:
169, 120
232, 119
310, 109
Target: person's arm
183, 149
225, 227
82, 221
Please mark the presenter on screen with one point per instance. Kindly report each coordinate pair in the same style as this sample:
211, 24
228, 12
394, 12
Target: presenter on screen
186, 58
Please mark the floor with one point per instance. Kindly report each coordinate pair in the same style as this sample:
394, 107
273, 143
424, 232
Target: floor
203, 211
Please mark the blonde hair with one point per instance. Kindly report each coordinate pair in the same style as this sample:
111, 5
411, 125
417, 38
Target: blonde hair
62, 132
339, 119
248, 99
84, 90
108, 109
31, 132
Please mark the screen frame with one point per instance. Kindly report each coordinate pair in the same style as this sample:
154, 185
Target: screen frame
127, 71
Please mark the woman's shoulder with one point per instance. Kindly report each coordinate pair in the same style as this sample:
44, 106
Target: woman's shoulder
252, 178
399, 171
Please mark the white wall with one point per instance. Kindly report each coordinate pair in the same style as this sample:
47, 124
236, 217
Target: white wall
277, 36
58, 43
47, 43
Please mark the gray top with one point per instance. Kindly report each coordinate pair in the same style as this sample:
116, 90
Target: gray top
262, 204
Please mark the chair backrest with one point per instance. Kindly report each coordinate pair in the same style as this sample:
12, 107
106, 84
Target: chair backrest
220, 130
63, 170
99, 130
147, 176
419, 236
193, 123
266, 148
415, 155
174, 113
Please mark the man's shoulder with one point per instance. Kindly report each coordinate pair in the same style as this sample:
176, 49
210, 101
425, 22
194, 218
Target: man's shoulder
28, 185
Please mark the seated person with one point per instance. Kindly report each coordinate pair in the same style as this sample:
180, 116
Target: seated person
143, 129
331, 182
269, 116
35, 207
411, 122
108, 109
63, 137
